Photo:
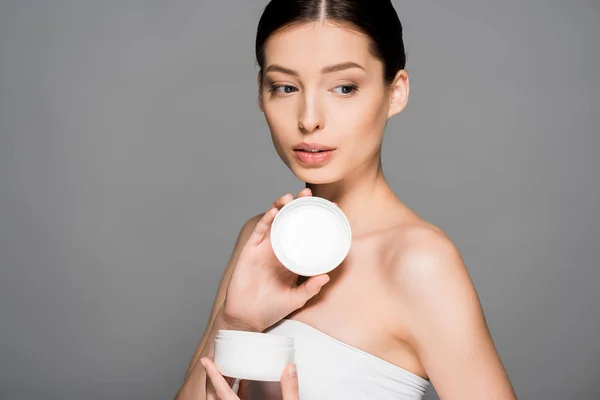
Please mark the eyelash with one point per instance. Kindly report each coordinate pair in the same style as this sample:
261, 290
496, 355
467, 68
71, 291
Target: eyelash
274, 89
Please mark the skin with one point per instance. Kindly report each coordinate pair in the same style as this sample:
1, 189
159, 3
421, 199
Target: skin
289, 383
425, 315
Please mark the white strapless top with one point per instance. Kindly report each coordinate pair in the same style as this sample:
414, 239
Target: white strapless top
329, 369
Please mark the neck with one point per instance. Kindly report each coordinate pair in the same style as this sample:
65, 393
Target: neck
364, 196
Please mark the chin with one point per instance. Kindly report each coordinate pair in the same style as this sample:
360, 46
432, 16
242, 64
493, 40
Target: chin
317, 176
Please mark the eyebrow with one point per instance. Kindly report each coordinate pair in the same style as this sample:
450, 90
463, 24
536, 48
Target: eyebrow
325, 70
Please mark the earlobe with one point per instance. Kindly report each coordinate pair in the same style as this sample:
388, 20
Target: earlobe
399, 91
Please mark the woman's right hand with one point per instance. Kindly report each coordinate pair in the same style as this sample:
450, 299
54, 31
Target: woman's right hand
261, 290
223, 391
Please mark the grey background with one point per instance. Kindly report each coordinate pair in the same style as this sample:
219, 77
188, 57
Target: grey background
132, 151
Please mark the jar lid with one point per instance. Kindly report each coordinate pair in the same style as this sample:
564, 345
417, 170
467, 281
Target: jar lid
311, 236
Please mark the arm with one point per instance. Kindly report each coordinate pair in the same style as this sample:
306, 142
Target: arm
446, 324
242, 238
215, 322
253, 272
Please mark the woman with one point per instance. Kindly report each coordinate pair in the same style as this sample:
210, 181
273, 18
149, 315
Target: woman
401, 311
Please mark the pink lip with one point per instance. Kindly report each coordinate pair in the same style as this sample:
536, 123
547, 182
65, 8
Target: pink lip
317, 158
313, 146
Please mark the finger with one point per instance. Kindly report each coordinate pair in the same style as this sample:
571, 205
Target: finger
289, 383
283, 200
301, 294
262, 227
278, 201
211, 393
219, 383
304, 193
230, 381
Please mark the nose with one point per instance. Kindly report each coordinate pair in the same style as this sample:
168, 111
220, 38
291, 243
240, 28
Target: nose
311, 118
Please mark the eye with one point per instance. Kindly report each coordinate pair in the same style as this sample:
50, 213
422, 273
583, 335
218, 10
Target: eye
345, 89
283, 89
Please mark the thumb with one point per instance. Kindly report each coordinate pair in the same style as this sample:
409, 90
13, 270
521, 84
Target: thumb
289, 383
301, 294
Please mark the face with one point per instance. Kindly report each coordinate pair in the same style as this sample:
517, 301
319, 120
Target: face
325, 100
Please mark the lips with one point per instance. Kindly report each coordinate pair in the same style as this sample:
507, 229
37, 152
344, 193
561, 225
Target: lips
313, 153
312, 147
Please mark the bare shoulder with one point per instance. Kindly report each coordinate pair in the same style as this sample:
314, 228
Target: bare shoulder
441, 316
423, 254
429, 276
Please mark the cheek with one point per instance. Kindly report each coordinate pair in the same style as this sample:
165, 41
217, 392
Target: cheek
364, 121
281, 117
281, 128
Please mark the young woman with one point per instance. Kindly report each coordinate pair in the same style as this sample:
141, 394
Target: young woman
401, 311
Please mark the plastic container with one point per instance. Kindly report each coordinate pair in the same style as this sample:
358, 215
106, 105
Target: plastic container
253, 356
311, 236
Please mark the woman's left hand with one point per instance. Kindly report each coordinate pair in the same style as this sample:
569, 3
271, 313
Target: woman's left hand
289, 382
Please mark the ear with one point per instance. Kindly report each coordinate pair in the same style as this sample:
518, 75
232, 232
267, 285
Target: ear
398, 93
260, 96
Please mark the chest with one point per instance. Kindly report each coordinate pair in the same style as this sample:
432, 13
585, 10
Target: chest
355, 306
359, 306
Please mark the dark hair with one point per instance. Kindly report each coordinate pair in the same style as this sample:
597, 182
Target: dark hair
375, 18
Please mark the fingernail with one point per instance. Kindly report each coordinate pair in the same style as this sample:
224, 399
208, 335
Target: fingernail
292, 373
203, 362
